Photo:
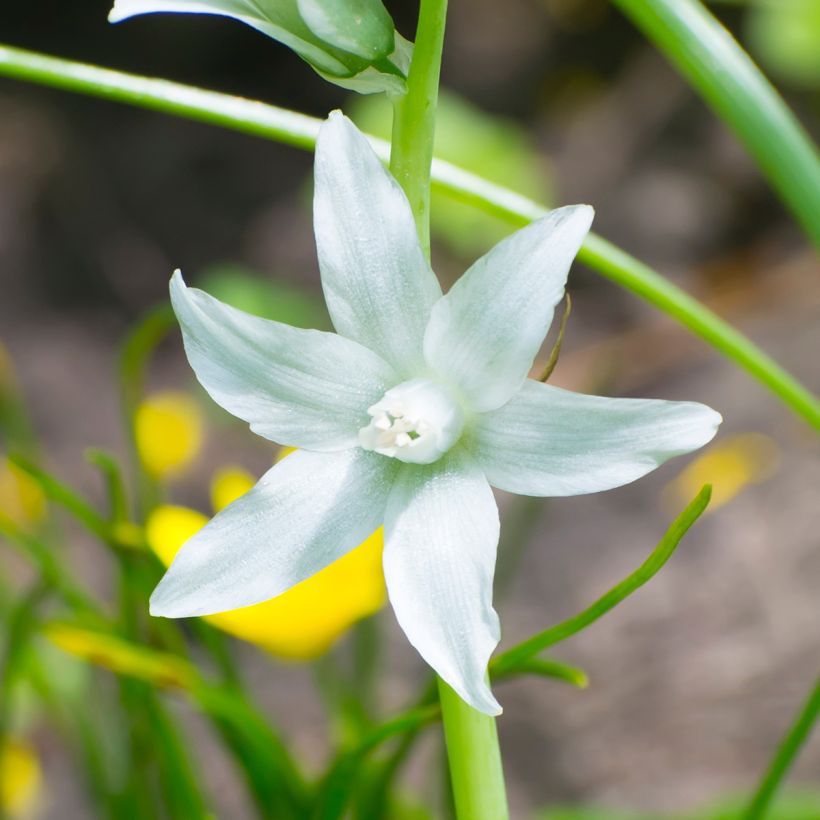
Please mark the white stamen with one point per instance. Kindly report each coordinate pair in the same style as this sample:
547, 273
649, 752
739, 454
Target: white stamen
417, 422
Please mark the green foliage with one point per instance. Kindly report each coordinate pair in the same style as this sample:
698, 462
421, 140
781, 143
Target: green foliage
794, 805
786, 35
270, 298
720, 70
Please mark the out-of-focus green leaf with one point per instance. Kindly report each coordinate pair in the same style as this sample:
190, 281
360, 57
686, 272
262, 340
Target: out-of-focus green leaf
786, 35
715, 65
111, 472
160, 669
241, 288
793, 805
585, 813
496, 148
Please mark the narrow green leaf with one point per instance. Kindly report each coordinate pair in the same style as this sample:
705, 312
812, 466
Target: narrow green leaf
114, 483
715, 64
60, 493
300, 131
548, 668
511, 660
785, 756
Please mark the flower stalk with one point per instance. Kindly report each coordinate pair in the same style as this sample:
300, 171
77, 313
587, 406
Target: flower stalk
473, 753
414, 118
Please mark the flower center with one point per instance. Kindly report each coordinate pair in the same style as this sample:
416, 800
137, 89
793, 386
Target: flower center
417, 421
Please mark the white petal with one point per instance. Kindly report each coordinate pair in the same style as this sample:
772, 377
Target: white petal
551, 442
378, 285
305, 513
299, 387
485, 333
440, 539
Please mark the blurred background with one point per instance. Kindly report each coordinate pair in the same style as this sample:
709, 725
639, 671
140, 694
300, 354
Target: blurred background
692, 680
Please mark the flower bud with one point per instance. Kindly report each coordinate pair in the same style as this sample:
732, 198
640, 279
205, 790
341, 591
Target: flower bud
352, 43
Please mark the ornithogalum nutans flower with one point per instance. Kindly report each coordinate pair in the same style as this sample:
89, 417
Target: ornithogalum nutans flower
406, 417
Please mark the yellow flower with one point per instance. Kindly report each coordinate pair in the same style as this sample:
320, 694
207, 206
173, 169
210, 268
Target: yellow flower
306, 620
21, 499
227, 484
169, 433
729, 466
20, 780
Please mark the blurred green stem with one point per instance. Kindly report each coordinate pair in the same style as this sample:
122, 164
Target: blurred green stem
135, 355
300, 131
714, 63
785, 756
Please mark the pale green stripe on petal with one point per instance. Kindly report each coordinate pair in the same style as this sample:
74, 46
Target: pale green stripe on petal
306, 512
303, 388
551, 442
485, 333
441, 534
378, 286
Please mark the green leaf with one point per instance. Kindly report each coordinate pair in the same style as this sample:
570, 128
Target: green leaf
300, 130
715, 65
241, 288
519, 656
551, 668
786, 35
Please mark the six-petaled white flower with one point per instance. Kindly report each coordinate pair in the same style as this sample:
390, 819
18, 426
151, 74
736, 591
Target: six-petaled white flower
406, 418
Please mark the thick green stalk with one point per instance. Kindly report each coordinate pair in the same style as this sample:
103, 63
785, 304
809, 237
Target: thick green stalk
300, 131
784, 757
414, 120
475, 762
713, 62
476, 772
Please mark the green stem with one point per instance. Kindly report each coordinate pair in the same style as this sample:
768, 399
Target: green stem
475, 760
414, 120
713, 62
300, 131
784, 757
472, 741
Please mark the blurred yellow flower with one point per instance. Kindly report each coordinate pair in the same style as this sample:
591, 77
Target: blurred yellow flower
21, 499
169, 432
729, 466
20, 780
227, 484
303, 622
111, 652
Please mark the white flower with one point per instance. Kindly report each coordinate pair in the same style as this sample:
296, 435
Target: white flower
406, 418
